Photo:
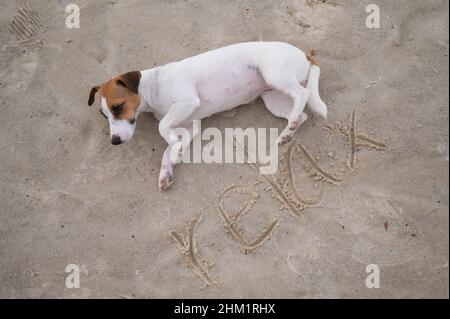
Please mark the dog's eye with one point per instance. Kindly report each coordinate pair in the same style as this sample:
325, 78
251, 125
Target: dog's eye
117, 109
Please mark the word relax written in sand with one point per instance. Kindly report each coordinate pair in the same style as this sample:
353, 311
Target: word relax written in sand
188, 246
283, 189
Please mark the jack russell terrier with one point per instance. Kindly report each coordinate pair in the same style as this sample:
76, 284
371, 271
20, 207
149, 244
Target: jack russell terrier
219, 80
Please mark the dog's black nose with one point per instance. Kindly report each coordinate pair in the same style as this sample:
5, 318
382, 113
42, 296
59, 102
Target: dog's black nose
115, 140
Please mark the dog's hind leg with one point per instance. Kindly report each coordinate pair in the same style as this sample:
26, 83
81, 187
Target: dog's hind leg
281, 105
277, 103
299, 95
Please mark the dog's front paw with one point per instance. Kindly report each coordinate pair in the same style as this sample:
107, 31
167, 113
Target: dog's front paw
284, 138
165, 180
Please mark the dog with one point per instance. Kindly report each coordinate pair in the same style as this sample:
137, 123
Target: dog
215, 81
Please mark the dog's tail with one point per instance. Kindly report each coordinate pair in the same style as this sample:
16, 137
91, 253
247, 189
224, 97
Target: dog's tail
315, 102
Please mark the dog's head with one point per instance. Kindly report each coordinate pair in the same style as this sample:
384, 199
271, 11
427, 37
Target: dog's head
120, 104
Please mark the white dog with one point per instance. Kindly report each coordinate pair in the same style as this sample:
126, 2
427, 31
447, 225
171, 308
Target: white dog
197, 87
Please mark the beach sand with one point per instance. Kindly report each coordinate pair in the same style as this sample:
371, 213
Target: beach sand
67, 196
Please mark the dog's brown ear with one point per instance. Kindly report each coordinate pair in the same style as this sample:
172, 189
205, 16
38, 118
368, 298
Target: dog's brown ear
92, 94
130, 80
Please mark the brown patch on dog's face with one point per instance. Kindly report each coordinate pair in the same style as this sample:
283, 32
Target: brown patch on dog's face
121, 94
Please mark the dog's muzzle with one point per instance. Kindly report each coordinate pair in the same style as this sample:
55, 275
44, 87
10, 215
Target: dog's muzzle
115, 140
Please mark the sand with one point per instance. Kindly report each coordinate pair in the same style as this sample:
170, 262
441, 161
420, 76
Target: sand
67, 196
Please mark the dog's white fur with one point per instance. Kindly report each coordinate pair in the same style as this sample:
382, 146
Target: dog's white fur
222, 79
